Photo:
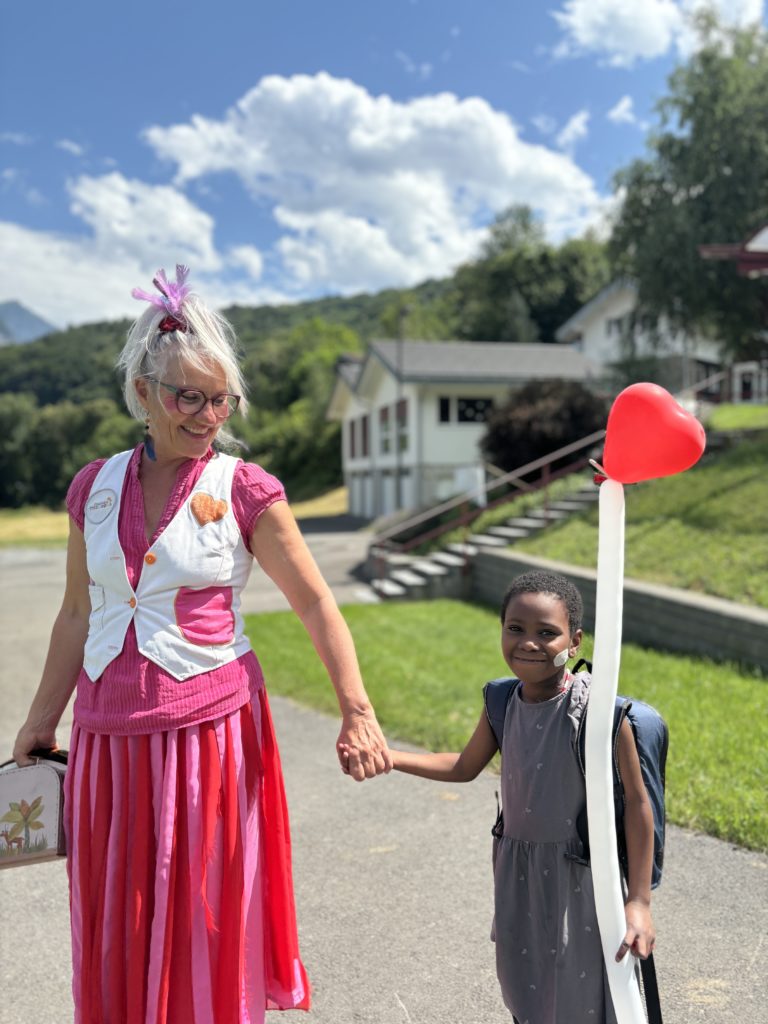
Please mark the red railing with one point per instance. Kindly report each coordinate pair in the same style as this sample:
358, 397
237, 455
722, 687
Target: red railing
388, 538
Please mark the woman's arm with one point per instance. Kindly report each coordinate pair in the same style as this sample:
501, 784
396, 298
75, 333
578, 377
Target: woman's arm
461, 767
638, 830
65, 656
279, 547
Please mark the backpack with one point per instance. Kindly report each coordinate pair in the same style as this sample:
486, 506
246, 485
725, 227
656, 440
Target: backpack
652, 741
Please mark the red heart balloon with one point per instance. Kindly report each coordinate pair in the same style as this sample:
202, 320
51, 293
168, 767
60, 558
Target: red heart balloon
649, 435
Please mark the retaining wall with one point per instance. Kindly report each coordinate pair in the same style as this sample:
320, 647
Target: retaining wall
654, 616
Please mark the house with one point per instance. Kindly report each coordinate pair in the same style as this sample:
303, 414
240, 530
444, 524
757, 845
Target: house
413, 413
607, 332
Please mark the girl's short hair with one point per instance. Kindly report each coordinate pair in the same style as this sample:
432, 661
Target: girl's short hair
209, 340
541, 582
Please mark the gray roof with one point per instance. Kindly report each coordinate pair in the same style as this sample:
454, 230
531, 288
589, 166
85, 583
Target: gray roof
480, 361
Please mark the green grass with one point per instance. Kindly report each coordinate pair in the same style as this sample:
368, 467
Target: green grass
704, 530
738, 417
33, 527
424, 664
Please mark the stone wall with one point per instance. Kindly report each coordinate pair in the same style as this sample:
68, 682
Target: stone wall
654, 616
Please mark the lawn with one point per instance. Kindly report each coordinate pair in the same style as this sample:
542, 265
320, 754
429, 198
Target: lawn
703, 530
424, 664
743, 416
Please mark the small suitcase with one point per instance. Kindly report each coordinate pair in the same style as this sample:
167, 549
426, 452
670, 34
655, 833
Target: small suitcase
32, 809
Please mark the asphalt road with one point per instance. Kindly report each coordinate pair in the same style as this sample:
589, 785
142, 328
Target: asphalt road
393, 878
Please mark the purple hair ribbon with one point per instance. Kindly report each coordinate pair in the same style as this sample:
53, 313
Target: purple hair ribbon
171, 298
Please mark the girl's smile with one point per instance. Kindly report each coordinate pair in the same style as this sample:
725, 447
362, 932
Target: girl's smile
534, 635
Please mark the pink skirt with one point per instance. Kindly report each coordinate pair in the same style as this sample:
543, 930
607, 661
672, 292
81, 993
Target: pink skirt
179, 865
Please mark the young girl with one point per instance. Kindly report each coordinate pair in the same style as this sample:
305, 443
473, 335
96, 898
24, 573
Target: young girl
548, 953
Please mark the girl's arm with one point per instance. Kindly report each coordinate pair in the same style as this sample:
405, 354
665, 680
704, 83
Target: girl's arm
65, 656
278, 546
461, 767
638, 830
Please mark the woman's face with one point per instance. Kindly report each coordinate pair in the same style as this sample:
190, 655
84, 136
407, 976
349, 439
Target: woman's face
176, 434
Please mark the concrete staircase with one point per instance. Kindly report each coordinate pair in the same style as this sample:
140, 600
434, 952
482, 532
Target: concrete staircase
445, 573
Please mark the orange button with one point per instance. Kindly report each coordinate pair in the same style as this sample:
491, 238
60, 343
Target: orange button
132, 602
150, 559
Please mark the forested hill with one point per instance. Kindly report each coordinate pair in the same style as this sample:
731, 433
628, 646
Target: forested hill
78, 363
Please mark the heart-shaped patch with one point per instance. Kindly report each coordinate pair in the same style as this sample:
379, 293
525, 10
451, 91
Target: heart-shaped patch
207, 509
649, 435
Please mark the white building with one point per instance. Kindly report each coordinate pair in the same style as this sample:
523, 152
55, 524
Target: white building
413, 412
605, 331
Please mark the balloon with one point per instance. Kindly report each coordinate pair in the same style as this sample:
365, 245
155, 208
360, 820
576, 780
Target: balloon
649, 435
606, 881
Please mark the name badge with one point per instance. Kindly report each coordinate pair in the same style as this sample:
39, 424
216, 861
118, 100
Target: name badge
100, 505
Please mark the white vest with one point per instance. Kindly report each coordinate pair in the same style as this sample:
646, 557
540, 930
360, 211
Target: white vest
200, 548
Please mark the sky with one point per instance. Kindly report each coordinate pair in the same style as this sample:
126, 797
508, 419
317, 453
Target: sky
300, 148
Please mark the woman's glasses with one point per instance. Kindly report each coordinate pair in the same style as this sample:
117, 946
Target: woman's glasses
191, 401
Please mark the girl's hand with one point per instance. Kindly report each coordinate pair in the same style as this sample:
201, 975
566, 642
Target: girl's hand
31, 738
640, 937
361, 747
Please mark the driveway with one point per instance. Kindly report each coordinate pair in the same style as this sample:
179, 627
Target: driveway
393, 881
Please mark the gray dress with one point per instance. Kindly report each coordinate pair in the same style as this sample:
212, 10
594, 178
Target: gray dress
548, 954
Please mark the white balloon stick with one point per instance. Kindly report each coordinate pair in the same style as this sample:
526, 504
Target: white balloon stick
606, 879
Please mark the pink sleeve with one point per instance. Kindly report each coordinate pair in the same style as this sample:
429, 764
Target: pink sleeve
79, 490
253, 491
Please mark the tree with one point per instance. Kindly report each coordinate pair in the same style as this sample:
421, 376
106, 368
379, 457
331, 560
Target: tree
704, 181
522, 288
18, 415
541, 417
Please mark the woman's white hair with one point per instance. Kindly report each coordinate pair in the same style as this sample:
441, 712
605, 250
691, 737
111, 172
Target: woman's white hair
209, 340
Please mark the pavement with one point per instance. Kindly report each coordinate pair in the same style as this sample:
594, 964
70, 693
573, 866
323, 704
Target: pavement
393, 876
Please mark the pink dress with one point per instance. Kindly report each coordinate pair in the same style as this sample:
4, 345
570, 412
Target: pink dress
177, 828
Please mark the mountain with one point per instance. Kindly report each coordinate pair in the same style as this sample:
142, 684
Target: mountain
19, 324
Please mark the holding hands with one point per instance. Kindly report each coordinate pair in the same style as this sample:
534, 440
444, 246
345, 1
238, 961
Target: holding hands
361, 747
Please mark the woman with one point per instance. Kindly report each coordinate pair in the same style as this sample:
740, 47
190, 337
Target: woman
178, 843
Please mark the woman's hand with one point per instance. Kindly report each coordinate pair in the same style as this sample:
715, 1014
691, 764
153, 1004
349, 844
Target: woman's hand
32, 738
640, 937
361, 747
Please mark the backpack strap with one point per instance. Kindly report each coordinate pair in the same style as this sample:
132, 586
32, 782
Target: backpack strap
651, 990
496, 695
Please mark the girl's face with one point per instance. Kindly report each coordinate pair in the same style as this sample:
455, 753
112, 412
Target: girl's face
176, 434
534, 632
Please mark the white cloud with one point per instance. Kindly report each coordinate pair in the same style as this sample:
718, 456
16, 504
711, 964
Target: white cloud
12, 180
575, 129
134, 229
546, 125
623, 112
16, 138
625, 31
422, 70
372, 192
144, 222
70, 147
249, 258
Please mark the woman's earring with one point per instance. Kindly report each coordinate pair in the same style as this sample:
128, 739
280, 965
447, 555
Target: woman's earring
149, 447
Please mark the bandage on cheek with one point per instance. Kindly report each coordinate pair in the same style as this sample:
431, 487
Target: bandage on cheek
561, 658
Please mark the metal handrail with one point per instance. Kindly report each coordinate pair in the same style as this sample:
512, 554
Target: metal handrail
507, 478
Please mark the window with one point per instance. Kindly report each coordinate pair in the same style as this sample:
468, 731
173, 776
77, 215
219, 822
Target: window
473, 410
352, 439
445, 410
364, 436
385, 440
402, 424
615, 325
